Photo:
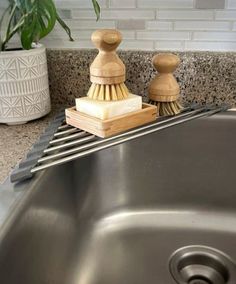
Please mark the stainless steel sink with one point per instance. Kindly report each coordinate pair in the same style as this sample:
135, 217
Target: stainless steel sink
117, 216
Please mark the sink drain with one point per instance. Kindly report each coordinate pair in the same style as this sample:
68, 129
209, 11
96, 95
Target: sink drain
202, 265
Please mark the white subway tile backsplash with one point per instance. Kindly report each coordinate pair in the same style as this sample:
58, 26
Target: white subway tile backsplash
64, 13
76, 34
84, 35
231, 4
159, 25
226, 15
202, 26
176, 4
3, 4
78, 4
210, 46
214, 36
83, 14
60, 43
210, 4
131, 24
149, 24
169, 45
185, 15
128, 34
164, 35
88, 25
138, 44
128, 14
122, 3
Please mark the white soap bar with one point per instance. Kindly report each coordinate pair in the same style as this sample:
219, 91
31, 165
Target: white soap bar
108, 109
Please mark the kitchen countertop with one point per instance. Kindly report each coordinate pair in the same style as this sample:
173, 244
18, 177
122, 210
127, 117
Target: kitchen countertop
15, 141
204, 77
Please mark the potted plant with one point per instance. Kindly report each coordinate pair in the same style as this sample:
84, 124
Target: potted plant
24, 88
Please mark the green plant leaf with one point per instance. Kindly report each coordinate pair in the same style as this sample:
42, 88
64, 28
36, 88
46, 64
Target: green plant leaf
96, 9
33, 20
40, 21
47, 14
65, 27
29, 32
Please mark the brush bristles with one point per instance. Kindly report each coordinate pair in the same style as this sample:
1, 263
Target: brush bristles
167, 108
108, 92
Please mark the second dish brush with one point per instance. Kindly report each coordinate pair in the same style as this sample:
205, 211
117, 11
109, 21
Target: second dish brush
164, 90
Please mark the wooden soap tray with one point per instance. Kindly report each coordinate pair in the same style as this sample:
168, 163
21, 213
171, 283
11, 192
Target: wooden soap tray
112, 126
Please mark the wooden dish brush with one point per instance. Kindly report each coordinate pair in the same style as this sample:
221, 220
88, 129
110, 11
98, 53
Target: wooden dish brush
107, 72
164, 90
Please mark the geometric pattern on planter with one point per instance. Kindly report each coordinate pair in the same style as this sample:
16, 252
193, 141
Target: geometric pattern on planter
11, 107
25, 105
35, 103
8, 69
22, 67
24, 89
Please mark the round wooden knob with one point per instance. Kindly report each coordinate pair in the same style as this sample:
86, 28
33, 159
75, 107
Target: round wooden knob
166, 62
106, 40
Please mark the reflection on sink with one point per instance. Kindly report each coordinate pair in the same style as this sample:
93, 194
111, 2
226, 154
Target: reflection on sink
118, 215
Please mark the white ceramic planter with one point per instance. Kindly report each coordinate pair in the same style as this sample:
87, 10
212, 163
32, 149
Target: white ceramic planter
24, 88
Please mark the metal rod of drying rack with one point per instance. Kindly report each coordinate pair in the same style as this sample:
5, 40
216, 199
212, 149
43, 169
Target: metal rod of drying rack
133, 134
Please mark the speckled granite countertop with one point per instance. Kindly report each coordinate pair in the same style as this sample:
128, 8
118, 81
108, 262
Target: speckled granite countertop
204, 77
15, 141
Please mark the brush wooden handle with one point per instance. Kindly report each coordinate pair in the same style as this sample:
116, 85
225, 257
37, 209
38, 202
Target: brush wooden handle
107, 68
164, 88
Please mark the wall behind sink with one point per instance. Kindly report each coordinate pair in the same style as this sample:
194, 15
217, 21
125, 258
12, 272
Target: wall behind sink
152, 24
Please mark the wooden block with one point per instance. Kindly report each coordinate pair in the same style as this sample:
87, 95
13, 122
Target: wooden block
115, 125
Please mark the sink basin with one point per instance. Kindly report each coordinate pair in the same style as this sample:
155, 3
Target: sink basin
117, 216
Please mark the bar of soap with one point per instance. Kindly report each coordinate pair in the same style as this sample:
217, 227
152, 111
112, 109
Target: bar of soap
108, 109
